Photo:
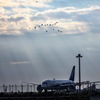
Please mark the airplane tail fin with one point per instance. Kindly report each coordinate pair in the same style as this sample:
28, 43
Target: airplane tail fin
72, 75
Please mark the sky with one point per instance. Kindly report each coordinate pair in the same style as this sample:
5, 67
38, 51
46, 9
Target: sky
40, 39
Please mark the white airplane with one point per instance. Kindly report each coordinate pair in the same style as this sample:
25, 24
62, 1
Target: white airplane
56, 85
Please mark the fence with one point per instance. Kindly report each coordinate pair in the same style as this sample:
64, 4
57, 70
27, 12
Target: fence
19, 88
33, 87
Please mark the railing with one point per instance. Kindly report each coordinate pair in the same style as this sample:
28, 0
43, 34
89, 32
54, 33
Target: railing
19, 88
33, 87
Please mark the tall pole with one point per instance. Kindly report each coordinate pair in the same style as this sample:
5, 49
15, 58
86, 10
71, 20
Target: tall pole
79, 56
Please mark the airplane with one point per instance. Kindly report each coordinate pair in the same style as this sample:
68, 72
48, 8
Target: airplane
57, 85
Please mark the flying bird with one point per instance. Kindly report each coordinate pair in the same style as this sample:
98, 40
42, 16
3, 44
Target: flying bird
35, 27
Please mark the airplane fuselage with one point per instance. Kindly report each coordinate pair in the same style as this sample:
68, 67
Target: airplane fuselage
68, 85
57, 85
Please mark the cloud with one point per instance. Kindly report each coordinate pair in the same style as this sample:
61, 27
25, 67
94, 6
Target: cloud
8, 3
20, 15
16, 14
23, 62
92, 49
74, 20
68, 12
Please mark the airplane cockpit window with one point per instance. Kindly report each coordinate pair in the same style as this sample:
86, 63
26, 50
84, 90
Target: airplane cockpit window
44, 82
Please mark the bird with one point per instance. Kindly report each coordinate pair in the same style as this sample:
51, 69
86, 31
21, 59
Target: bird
36, 1
35, 27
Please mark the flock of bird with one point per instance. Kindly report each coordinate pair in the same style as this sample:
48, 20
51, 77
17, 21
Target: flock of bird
47, 25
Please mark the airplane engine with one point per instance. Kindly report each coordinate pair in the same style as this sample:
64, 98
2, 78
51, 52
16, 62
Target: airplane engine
72, 88
39, 88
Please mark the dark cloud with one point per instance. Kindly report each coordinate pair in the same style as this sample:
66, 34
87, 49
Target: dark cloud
60, 15
90, 16
38, 17
22, 6
92, 19
2, 19
8, 8
15, 19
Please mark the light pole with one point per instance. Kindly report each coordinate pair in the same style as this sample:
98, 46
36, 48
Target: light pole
79, 56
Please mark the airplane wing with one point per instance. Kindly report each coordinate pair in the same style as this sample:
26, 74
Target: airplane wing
29, 83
